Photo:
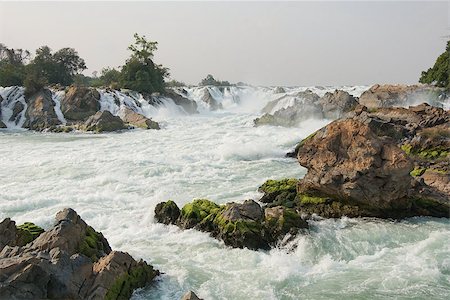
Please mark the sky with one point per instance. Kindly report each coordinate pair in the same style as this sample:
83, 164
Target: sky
261, 43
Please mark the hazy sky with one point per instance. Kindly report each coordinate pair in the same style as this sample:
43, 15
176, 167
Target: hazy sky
263, 43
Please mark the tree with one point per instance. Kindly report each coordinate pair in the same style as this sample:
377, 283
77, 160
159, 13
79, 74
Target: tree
210, 80
140, 73
12, 65
438, 74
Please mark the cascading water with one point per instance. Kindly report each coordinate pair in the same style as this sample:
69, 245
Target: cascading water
13, 106
114, 181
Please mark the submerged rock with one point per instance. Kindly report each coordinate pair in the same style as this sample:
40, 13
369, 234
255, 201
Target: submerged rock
80, 102
69, 261
239, 225
2, 125
209, 99
40, 113
190, 296
104, 121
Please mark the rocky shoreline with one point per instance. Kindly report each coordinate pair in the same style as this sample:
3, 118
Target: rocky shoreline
384, 163
69, 261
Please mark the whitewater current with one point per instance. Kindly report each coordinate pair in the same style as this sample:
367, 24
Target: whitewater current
115, 180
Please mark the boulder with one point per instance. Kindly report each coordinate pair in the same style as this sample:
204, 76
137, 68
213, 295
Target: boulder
279, 90
80, 102
104, 121
2, 125
189, 106
335, 104
133, 118
399, 95
40, 112
167, 212
69, 261
190, 296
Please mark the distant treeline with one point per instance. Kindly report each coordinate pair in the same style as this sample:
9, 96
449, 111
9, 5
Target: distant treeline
64, 67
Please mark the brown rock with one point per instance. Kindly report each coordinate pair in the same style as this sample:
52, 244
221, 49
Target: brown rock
104, 121
40, 112
335, 104
190, 296
79, 103
133, 118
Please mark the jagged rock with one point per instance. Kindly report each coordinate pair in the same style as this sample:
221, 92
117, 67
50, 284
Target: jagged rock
209, 99
80, 102
133, 118
399, 95
190, 296
40, 112
2, 125
335, 104
69, 261
8, 233
104, 121
189, 106
17, 109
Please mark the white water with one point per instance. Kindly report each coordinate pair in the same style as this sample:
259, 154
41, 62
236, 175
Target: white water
115, 180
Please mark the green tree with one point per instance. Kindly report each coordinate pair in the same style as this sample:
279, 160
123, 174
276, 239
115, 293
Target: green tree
438, 74
12, 65
210, 80
140, 73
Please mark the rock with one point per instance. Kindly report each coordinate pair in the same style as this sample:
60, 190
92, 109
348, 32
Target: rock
8, 233
104, 121
209, 99
399, 95
335, 104
138, 120
279, 90
79, 103
189, 106
304, 105
237, 224
190, 296
279, 192
69, 261
17, 109
40, 112
2, 125
167, 212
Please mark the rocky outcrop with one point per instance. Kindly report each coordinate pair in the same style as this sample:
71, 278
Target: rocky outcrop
104, 121
239, 225
40, 113
189, 106
137, 120
336, 104
367, 161
69, 261
79, 103
399, 95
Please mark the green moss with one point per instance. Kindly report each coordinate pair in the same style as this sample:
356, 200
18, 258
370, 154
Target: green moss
407, 148
199, 209
123, 287
306, 139
92, 245
423, 202
27, 232
308, 199
272, 186
418, 171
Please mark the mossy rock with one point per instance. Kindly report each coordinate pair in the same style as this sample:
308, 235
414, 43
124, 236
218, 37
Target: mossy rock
137, 277
27, 232
193, 213
305, 199
93, 245
279, 192
167, 212
426, 153
418, 171
280, 221
429, 207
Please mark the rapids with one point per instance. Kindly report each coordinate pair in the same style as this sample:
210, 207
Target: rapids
115, 180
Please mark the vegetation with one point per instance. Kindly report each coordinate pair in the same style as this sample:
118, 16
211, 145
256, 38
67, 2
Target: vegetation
28, 232
65, 67
210, 80
438, 74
